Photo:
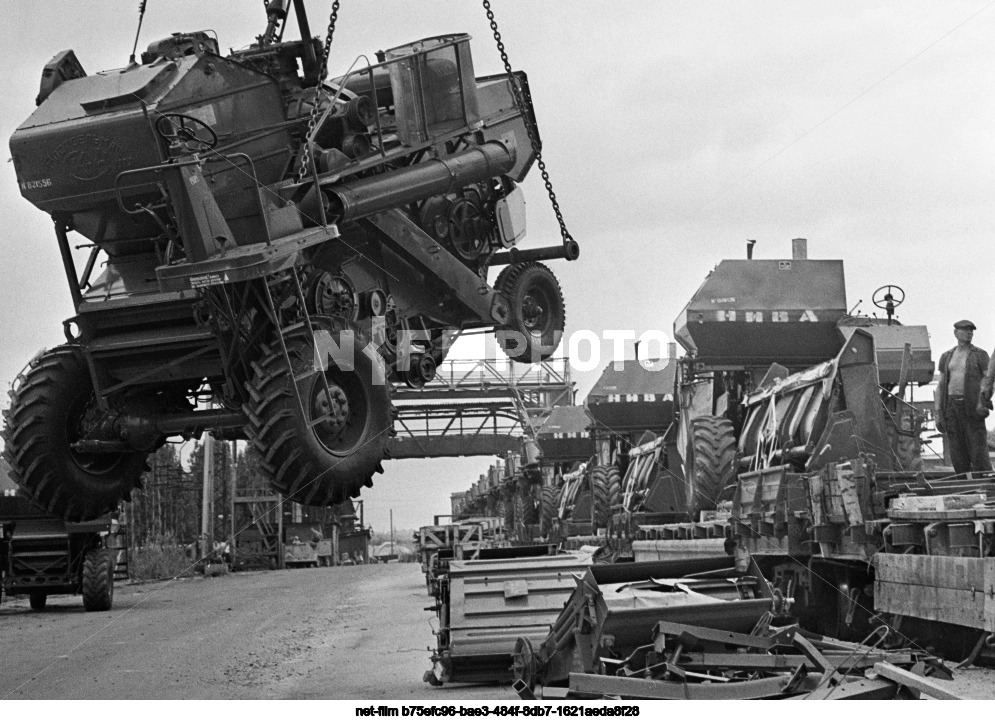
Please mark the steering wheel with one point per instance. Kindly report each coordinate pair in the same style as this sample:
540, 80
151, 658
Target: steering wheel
887, 299
186, 131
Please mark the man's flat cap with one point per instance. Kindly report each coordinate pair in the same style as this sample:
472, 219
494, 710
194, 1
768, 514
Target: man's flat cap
965, 325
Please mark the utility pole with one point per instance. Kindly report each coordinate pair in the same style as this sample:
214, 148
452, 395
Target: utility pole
231, 499
206, 517
393, 548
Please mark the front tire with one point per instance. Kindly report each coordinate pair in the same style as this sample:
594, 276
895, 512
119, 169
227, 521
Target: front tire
313, 461
607, 484
550, 509
47, 410
710, 463
38, 601
98, 580
537, 314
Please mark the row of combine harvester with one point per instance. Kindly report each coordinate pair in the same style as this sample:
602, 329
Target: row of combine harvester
789, 436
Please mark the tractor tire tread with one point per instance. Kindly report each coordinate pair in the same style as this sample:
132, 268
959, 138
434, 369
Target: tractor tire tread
98, 580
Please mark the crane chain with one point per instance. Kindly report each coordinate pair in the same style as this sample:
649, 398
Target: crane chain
323, 64
524, 106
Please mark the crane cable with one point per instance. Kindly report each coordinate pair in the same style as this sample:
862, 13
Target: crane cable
524, 103
306, 153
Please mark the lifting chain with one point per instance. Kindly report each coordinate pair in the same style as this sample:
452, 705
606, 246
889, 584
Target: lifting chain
524, 106
323, 64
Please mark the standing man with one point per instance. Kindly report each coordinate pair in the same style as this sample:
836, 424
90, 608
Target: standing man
959, 405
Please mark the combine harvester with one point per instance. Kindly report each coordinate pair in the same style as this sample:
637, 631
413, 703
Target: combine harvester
277, 250
814, 453
796, 442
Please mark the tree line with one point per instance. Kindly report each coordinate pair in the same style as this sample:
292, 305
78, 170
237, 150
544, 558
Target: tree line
166, 509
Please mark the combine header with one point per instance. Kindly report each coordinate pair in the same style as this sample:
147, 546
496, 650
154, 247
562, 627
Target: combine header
278, 249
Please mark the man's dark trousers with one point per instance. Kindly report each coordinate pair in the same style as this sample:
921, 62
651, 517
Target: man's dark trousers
966, 437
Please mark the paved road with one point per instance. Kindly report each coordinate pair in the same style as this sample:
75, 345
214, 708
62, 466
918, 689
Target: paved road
343, 633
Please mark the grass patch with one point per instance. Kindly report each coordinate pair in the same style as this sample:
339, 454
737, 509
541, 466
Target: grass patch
159, 560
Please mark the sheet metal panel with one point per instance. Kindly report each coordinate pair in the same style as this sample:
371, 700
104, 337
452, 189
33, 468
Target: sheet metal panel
493, 602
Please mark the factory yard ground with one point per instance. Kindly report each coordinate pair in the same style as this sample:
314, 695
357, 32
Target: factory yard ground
357, 632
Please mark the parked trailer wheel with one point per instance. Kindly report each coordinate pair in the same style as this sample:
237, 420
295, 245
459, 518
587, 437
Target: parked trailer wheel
525, 665
537, 312
710, 463
313, 461
98, 580
607, 484
38, 601
48, 406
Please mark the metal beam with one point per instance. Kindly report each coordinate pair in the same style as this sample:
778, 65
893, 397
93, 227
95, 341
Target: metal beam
640, 688
453, 446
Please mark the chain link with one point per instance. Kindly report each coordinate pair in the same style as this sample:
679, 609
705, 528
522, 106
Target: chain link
524, 106
323, 64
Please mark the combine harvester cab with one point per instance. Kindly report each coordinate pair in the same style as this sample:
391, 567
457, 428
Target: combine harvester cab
278, 250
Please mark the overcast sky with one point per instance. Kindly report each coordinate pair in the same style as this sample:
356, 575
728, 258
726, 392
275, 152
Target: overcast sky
672, 131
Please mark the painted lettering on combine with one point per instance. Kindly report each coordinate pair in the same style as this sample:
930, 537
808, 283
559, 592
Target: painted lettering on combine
808, 317
36, 184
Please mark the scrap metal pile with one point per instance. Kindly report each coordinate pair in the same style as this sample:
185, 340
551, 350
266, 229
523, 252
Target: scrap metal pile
625, 633
684, 661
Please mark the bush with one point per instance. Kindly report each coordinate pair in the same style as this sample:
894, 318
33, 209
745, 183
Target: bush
159, 560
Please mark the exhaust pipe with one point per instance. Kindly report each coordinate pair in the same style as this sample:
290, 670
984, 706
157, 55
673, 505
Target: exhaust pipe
361, 198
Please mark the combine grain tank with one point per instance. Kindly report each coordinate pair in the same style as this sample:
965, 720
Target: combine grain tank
751, 313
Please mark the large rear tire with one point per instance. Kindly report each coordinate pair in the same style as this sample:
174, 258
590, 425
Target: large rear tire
607, 482
312, 461
519, 511
710, 462
48, 406
550, 508
98, 580
537, 314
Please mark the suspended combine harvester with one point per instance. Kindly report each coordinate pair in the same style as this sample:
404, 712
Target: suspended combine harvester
278, 250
